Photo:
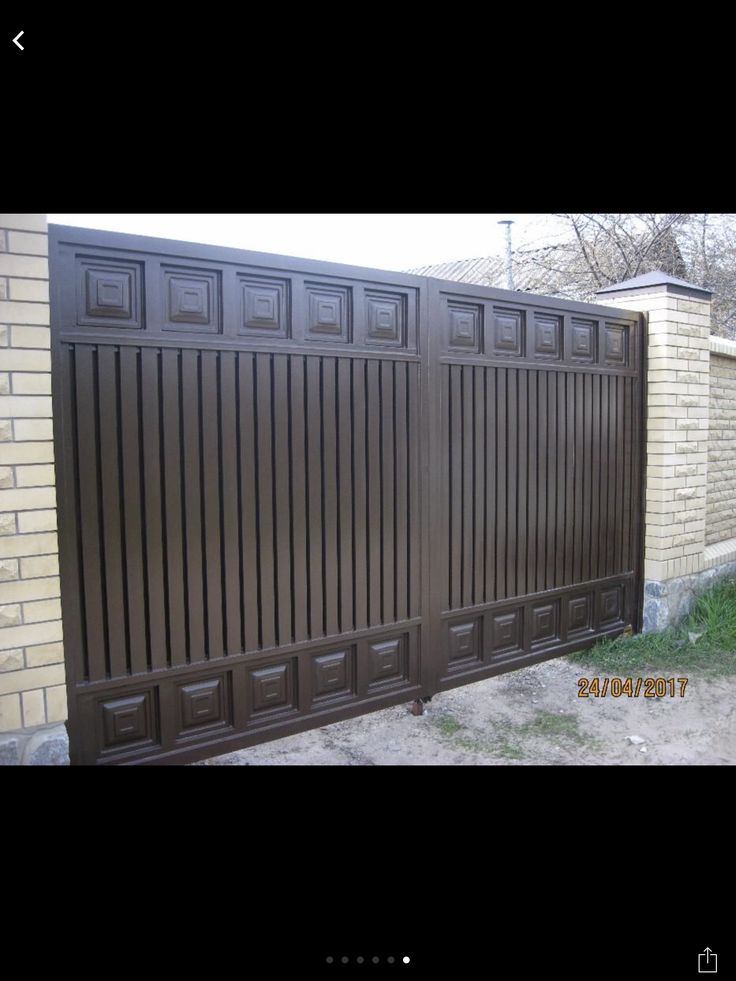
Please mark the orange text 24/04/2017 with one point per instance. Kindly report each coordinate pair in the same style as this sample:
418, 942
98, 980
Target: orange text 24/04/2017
632, 687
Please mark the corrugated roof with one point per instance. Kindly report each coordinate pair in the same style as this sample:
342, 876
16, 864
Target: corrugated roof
487, 270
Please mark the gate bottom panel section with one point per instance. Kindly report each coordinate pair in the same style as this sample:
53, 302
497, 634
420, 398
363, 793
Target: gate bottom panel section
192, 712
481, 641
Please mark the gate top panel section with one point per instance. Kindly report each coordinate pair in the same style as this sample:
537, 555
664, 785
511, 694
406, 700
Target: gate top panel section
127, 289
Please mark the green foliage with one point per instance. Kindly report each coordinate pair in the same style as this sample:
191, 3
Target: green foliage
705, 642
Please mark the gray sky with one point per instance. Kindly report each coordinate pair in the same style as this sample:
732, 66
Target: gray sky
384, 241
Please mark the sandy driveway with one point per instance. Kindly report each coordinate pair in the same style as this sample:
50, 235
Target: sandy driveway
526, 717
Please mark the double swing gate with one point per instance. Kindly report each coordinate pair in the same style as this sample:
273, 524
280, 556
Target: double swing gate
292, 492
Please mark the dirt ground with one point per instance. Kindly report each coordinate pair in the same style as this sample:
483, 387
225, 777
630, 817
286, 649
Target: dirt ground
532, 716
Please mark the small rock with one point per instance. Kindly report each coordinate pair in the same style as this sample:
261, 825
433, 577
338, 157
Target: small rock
679, 643
394, 747
693, 636
642, 749
534, 701
636, 740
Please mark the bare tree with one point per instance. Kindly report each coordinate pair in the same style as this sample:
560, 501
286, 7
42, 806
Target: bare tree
602, 249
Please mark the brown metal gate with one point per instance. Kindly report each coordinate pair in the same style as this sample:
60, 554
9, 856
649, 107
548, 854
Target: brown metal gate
291, 492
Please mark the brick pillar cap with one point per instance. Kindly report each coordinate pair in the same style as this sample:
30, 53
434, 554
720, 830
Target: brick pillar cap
656, 281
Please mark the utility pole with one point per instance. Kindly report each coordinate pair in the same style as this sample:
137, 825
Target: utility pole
509, 269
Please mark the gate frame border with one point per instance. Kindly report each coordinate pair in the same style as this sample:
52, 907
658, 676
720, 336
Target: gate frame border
430, 503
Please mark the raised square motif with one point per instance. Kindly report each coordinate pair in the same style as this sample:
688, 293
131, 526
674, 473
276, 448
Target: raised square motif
192, 300
128, 721
507, 333
108, 293
464, 642
263, 306
545, 620
579, 614
333, 675
547, 345
273, 689
611, 605
616, 344
506, 631
387, 663
204, 704
582, 341
328, 313
385, 318
464, 326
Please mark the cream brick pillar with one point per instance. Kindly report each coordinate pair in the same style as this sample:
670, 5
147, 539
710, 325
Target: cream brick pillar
677, 437
32, 691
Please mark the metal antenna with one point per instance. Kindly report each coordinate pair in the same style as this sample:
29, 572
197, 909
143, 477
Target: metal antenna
509, 269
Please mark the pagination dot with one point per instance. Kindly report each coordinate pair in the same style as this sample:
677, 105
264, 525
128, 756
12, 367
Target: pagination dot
406, 960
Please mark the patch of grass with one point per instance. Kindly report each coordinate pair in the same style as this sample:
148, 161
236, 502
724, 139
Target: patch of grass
447, 724
494, 743
553, 724
672, 651
493, 747
507, 749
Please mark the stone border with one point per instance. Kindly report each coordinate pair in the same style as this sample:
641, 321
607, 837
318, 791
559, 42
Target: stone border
42, 746
665, 603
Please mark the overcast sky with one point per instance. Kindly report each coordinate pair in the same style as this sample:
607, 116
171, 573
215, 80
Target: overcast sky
384, 241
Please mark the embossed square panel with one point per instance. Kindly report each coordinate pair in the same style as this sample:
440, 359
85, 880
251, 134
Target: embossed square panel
108, 293
385, 315
582, 341
506, 632
333, 675
128, 721
191, 300
544, 622
616, 344
328, 313
611, 605
205, 704
579, 614
273, 689
465, 322
263, 306
507, 333
388, 663
464, 642
547, 338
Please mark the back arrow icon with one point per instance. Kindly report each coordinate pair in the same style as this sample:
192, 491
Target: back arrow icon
15, 40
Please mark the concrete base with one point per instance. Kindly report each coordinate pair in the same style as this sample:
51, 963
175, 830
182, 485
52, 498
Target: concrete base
42, 746
665, 603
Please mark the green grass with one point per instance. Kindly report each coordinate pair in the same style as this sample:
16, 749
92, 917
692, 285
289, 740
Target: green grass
672, 650
552, 724
507, 740
447, 724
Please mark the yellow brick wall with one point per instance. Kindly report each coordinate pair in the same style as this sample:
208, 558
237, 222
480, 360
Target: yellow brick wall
678, 377
720, 522
32, 688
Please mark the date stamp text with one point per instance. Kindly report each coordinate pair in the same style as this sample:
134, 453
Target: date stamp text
632, 687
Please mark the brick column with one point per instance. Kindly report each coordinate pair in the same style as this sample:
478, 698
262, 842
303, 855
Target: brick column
32, 689
677, 437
